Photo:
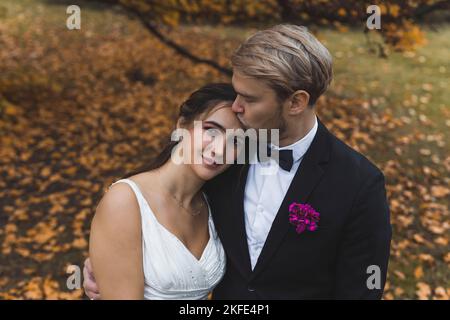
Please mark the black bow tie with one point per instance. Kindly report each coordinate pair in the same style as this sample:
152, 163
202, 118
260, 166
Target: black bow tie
286, 160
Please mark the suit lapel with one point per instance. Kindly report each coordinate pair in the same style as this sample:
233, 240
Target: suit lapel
306, 178
234, 236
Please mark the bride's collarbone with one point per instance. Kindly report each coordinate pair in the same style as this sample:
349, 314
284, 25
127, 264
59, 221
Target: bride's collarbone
188, 229
191, 230
183, 224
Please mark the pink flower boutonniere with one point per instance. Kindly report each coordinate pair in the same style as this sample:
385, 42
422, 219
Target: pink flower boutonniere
303, 217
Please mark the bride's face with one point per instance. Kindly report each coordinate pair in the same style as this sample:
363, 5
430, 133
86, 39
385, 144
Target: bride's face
210, 145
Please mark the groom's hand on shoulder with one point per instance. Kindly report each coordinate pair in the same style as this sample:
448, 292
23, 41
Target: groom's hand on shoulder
89, 284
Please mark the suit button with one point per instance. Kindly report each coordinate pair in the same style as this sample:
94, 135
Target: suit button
251, 289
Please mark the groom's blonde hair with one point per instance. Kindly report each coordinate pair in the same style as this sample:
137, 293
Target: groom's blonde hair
288, 58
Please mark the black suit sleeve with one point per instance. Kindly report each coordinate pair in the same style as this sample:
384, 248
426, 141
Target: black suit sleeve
365, 242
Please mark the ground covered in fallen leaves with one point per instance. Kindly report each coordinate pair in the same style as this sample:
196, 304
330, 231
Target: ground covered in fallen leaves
80, 108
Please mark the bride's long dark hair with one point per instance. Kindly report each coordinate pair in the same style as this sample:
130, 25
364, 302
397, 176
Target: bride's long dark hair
199, 102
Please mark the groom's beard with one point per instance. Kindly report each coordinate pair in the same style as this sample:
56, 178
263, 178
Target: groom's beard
282, 127
279, 124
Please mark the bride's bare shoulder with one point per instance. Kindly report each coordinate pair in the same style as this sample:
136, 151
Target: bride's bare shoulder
119, 202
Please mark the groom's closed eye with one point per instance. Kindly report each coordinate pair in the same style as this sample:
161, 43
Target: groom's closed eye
250, 100
247, 97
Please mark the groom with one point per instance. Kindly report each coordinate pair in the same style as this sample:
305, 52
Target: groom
279, 74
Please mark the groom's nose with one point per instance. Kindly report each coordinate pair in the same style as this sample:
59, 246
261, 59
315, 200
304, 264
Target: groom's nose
237, 106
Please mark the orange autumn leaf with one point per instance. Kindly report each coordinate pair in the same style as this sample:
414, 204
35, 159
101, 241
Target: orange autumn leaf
440, 191
418, 272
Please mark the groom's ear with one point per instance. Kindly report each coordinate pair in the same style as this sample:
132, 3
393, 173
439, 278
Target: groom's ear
298, 102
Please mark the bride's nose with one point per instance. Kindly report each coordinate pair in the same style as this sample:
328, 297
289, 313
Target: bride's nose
219, 150
216, 150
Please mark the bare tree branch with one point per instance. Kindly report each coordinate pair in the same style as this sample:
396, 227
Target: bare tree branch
423, 10
178, 48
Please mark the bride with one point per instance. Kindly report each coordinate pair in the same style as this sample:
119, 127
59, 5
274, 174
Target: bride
152, 235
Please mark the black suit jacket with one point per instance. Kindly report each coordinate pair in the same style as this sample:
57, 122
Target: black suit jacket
354, 230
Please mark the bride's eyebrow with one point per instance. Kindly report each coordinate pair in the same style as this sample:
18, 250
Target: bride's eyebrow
215, 124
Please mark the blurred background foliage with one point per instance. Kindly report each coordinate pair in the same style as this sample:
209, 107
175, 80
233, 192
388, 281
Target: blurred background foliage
79, 108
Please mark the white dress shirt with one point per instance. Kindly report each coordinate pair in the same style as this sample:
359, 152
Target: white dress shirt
264, 194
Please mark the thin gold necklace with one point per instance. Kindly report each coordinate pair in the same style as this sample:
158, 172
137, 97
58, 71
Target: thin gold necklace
191, 212
180, 204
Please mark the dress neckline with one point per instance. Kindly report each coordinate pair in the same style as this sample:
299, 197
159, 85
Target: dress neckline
189, 252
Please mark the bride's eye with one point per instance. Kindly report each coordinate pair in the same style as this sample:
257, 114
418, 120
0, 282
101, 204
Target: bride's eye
214, 132
234, 141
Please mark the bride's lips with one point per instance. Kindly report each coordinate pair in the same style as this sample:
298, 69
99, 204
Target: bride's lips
210, 163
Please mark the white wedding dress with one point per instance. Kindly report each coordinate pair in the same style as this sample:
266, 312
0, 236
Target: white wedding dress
171, 271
